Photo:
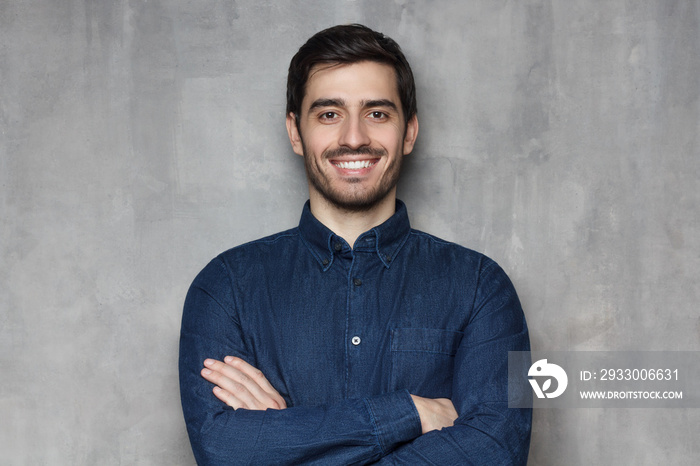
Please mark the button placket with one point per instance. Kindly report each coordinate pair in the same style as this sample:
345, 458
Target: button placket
357, 318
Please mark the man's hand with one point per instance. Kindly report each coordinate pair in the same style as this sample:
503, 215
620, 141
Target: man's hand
434, 413
240, 385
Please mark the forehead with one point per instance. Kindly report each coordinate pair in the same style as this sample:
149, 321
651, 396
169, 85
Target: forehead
353, 83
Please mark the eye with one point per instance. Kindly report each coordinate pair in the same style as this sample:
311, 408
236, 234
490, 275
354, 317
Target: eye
377, 115
327, 116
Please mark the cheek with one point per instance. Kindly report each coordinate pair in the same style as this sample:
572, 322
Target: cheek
319, 140
392, 146
391, 138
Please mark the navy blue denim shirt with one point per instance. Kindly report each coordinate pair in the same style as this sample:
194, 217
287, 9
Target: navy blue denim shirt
345, 335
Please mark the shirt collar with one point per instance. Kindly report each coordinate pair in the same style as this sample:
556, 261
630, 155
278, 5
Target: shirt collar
385, 240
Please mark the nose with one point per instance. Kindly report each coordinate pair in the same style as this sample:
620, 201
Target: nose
354, 134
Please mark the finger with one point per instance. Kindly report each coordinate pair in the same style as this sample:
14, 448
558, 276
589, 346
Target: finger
258, 378
233, 393
241, 385
238, 370
228, 398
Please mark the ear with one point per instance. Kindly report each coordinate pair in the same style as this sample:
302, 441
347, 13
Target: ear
409, 139
294, 135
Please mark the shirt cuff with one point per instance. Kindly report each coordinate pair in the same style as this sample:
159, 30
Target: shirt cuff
395, 419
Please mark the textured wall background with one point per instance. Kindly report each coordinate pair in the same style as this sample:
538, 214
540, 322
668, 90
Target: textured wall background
140, 138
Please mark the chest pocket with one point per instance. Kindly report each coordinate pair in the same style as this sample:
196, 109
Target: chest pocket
422, 360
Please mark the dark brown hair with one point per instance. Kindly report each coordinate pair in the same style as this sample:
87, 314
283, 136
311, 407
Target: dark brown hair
347, 44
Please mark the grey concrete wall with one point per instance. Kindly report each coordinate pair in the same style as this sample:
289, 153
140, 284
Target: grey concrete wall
140, 138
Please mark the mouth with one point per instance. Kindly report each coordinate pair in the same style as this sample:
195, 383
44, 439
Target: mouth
354, 164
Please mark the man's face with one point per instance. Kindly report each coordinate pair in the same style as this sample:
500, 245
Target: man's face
352, 134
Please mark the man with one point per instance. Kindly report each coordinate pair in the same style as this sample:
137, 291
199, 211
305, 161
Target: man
352, 338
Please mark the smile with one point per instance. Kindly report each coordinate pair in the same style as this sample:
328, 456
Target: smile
355, 164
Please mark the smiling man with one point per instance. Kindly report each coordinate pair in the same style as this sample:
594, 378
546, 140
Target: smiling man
352, 338
353, 135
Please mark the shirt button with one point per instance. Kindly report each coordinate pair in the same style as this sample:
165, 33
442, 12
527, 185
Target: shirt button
356, 340
357, 281
337, 246
326, 261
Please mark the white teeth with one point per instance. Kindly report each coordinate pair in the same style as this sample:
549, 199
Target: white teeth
354, 165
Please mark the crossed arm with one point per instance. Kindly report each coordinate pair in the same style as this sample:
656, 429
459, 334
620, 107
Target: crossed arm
240, 385
247, 421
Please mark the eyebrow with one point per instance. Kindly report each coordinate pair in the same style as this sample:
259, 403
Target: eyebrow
379, 103
318, 103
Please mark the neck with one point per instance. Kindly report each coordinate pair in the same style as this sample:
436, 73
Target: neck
349, 224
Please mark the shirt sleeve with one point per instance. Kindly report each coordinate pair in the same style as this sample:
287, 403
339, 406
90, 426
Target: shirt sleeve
486, 432
356, 431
